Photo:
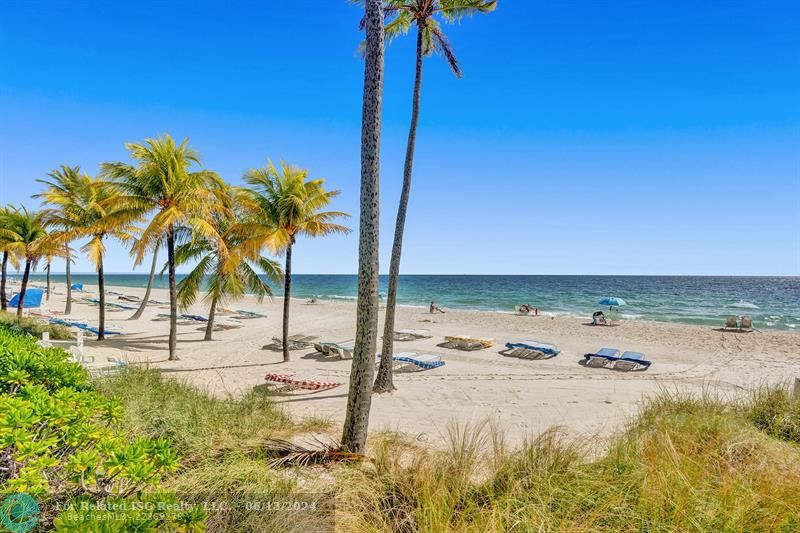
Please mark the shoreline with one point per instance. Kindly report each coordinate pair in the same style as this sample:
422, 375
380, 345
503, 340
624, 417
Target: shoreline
763, 322
523, 397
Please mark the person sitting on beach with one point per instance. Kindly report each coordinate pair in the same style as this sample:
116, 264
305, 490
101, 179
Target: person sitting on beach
598, 319
525, 309
313, 300
435, 308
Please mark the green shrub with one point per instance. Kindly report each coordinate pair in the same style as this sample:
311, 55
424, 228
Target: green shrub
35, 327
60, 440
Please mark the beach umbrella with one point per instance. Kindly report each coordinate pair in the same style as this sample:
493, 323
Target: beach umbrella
612, 301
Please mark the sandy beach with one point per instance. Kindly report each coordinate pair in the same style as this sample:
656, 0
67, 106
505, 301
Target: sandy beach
522, 397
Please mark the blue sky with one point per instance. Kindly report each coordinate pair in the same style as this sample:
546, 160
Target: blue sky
586, 137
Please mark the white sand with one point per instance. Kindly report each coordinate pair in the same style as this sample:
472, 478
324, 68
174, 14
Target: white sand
522, 397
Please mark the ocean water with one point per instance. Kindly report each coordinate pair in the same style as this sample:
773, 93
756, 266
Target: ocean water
773, 302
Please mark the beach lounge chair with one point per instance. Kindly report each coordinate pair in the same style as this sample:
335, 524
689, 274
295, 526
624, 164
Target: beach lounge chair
244, 313
531, 350
307, 384
465, 342
295, 342
403, 335
602, 358
82, 325
196, 318
415, 361
127, 298
731, 322
746, 324
632, 361
342, 349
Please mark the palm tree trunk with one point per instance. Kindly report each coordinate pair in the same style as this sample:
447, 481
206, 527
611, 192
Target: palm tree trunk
101, 287
173, 295
383, 383
68, 308
210, 325
359, 399
287, 291
3, 302
142, 305
47, 296
23, 287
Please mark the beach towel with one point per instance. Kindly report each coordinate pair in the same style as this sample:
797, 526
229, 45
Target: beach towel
308, 384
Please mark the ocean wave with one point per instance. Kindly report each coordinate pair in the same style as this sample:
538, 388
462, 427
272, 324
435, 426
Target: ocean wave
741, 304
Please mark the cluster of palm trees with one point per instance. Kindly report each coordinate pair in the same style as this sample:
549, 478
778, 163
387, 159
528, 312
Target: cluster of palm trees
162, 198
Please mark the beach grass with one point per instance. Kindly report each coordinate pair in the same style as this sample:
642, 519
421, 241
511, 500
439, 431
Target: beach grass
35, 327
684, 463
220, 441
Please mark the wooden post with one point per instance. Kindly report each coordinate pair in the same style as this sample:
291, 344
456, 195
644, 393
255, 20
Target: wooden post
796, 391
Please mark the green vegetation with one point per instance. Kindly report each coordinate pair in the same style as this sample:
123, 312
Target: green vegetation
34, 327
60, 442
685, 464
221, 442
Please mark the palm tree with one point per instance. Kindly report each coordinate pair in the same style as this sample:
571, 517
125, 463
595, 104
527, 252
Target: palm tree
290, 205
359, 399
24, 235
227, 267
88, 207
430, 39
164, 180
63, 219
150, 279
6, 238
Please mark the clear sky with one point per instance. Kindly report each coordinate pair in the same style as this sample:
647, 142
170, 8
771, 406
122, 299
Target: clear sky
586, 137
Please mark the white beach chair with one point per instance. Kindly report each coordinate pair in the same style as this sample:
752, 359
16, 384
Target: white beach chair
403, 335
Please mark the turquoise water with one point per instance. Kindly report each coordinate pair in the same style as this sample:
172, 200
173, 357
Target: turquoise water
773, 302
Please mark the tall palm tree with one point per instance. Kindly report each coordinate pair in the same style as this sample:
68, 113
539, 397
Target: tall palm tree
403, 15
24, 235
6, 238
291, 204
90, 209
164, 179
150, 280
62, 194
359, 399
226, 266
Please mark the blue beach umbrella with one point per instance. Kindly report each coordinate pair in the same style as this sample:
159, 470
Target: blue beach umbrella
612, 301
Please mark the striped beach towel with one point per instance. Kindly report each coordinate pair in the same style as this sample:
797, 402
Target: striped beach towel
308, 384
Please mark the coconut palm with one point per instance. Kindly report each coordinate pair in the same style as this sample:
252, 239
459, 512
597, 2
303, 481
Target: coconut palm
150, 279
90, 209
228, 268
25, 236
6, 238
424, 14
359, 399
290, 205
165, 180
62, 218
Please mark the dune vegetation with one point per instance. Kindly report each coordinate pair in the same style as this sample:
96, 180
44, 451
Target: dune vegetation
683, 463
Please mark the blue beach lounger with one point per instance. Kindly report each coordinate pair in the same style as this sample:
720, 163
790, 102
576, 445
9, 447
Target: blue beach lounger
196, 318
602, 357
418, 360
531, 350
632, 361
